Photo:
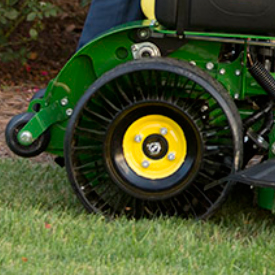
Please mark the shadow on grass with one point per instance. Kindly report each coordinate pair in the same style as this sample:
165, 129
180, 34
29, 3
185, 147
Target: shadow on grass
241, 213
25, 184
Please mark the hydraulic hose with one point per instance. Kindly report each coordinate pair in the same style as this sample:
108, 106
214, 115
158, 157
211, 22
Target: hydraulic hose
263, 77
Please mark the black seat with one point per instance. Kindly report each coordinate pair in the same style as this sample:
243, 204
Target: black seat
235, 16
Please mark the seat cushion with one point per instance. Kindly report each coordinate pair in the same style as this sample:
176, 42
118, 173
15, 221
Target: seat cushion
242, 16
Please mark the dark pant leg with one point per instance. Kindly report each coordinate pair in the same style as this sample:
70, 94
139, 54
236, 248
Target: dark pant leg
106, 14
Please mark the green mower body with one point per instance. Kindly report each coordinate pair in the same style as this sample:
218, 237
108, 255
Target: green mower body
142, 71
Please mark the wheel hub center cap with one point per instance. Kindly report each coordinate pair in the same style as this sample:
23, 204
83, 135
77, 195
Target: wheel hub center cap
154, 148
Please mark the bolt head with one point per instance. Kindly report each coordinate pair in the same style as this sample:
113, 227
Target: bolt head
144, 33
163, 131
145, 164
236, 96
209, 66
172, 156
193, 63
26, 137
138, 138
64, 101
222, 71
69, 112
204, 108
238, 72
260, 140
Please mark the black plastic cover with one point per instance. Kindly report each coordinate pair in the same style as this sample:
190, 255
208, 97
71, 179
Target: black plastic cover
166, 12
235, 16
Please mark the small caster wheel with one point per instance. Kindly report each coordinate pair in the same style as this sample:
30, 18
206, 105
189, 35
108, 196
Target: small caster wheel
12, 130
40, 94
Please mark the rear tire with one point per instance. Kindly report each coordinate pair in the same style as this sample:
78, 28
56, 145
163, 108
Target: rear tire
107, 161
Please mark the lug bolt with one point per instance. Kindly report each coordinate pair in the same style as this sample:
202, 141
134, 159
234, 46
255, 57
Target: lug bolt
138, 138
69, 112
209, 66
163, 131
222, 71
64, 101
26, 137
171, 156
145, 164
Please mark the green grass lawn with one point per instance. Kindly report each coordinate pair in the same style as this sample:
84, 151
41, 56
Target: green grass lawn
45, 230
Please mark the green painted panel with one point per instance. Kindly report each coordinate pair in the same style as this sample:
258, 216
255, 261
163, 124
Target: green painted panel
114, 48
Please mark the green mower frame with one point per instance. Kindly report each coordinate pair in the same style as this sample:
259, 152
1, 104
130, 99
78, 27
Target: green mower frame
138, 72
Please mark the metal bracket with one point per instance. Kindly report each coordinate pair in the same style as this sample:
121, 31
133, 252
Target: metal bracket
260, 175
47, 116
145, 50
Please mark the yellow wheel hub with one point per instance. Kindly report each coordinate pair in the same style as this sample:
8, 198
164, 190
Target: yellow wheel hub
154, 147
